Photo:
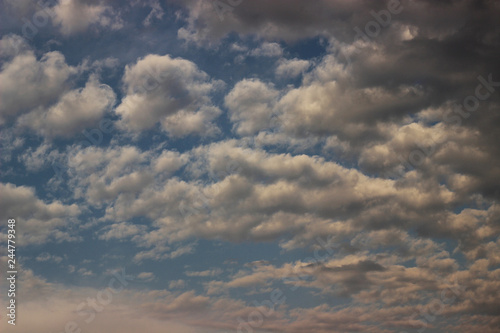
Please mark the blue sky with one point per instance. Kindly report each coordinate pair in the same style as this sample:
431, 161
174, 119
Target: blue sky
333, 160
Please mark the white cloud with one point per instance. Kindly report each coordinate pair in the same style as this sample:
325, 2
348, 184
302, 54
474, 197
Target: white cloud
28, 83
121, 231
250, 105
102, 174
75, 16
207, 273
146, 276
41, 222
38, 93
238, 48
290, 68
12, 45
329, 108
259, 195
171, 91
318, 171
10, 141
37, 159
74, 111
169, 162
267, 50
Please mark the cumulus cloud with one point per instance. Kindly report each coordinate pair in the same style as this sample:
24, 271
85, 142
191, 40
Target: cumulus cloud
171, 91
253, 195
367, 169
267, 50
292, 67
120, 231
41, 222
28, 82
35, 160
75, 16
73, 112
250, 105
119, 175
39, 95
13, 45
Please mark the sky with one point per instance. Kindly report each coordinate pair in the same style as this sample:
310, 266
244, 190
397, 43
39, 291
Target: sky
202, 166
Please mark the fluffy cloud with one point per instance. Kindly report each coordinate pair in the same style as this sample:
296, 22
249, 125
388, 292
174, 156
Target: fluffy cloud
38, 93
171, 91
363, 171
29, 82
35, 160
290, 68
38, 221
250, 105
120, 231
267, 50
102, 174
73, 112
328, 108
256, 195
75, 16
